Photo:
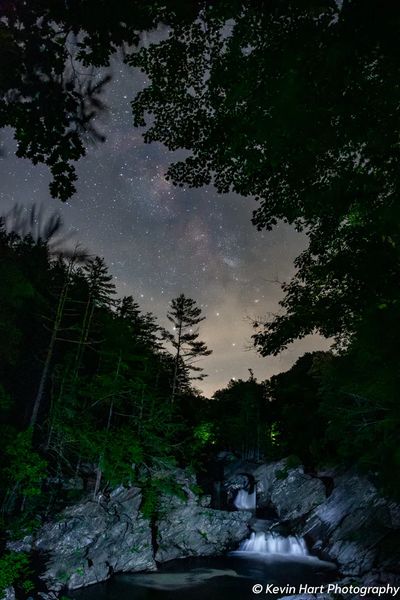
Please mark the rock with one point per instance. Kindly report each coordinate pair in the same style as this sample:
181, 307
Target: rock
236, 482
8, 594
192, 530
291, 492
351, 493
187, 528
264, 525
24, 545
92, 540
352, 557
205, 501
266, 477
237, 467
297, 494
354, 526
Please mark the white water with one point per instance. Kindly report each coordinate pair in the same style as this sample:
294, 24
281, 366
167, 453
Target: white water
272, 543
245, 501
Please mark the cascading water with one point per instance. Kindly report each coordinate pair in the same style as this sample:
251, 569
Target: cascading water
272, 543
245, 501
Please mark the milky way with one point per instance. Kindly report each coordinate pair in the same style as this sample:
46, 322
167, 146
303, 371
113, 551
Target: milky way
160, 240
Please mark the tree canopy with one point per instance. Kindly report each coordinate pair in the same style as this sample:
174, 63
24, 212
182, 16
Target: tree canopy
51, 80
295, 103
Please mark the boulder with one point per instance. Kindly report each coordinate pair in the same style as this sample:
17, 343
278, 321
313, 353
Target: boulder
266, 477
354, 526
92, 540
187, 528
291, 492
192, 530
297, 494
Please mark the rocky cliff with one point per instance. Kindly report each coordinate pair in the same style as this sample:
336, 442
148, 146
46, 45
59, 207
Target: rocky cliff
341, 515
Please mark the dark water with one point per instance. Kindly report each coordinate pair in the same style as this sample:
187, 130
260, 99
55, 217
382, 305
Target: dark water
211, 579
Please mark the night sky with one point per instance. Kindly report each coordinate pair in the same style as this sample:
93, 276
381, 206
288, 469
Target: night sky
159, 240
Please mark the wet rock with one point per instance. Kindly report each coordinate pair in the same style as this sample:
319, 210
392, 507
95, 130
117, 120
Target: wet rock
356, 526
186, 528
266, 477
351, 523
92, 540
263, 525
291, 492
297, 494
196, 531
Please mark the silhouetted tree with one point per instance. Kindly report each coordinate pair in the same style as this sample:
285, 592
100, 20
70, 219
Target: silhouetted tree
293, 103
185, 316
54, 54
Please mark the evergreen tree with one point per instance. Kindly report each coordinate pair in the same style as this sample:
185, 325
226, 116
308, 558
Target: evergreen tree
242, 418
100, 290
185, 317
142, 326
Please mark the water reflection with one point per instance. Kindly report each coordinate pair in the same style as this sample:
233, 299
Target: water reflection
211, 579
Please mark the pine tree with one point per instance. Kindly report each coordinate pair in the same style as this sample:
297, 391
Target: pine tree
185, 317
100, 290
142, 326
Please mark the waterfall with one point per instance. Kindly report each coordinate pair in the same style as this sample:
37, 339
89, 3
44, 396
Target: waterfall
245, 501
272, 543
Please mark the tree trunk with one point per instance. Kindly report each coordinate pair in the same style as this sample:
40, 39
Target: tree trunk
178, 355
50, 350
99, 473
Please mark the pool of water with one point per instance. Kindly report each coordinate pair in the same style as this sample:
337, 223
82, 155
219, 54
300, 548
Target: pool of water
211, 579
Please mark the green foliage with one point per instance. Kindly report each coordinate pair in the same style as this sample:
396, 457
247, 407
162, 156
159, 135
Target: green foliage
359, 400
25, 468
185, 317
104, 381
22, 524
35, 44
5, 400
242, 418
121, 455
204, 433
14, 568
153, 489
196, 489
282, 131
294, 402
294, 104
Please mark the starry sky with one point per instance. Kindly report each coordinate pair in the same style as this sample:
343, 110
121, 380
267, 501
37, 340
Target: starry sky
159, 240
